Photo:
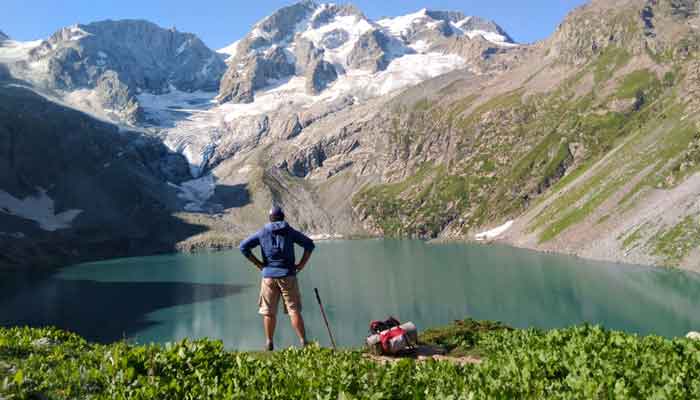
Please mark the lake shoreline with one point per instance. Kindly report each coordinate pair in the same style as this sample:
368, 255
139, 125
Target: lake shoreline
223, 244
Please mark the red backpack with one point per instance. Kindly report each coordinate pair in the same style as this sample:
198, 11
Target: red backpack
392, 336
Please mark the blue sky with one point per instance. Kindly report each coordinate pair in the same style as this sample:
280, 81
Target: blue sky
220, 22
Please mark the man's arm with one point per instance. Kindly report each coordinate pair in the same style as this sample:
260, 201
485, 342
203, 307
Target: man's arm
308, 245
247, 247
304, 260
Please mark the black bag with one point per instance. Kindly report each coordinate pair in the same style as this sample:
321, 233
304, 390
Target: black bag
376, 327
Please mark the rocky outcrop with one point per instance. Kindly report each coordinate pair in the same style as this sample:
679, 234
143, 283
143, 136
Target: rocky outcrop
478, 24
306, 55
278, 27
3, 36
260, 57
330, 11
587, 32
310, 63
371, 52
319, 76
255, 72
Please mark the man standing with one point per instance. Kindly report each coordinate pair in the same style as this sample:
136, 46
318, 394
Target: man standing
276, 241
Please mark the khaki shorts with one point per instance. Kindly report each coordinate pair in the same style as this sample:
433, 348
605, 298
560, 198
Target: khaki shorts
271, 289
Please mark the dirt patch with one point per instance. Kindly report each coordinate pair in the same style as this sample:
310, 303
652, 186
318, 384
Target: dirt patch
425, 353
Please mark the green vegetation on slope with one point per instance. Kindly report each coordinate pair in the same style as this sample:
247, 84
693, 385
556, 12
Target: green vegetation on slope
588, 150
677, 242
581, 362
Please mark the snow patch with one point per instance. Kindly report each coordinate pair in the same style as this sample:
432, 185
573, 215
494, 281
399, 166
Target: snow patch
494, 233
352, 25
326, 236
402, 25
420, 46
402, 72
76, 33
490, 36
192, 122
182, 47
230, 50
38, 208
196, 192
13, 51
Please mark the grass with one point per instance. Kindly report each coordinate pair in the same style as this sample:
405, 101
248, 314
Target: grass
461, 338
676, 243
633, 238
609, 61
637, 82
580, 362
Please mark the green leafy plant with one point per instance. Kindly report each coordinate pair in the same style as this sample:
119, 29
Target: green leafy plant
580, 362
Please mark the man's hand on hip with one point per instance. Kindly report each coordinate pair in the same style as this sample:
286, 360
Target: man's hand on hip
258, 264
304, 260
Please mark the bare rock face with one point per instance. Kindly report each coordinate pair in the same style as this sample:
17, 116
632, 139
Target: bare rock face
280, 26
306, 55
482, 25
3, 36
239, 84
319, 76
260, 56
310, 63
370, 52
331, 11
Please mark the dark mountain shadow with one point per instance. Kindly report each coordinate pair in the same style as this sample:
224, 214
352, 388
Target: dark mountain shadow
231, 196
171, 115
102, 311
117, 179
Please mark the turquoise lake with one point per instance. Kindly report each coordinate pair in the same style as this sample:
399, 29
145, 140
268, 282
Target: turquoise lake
214, 295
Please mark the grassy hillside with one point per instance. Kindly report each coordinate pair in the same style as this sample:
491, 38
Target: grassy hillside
580, 362
576, 142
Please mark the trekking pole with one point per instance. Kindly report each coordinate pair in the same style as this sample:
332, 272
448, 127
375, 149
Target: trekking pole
323, 312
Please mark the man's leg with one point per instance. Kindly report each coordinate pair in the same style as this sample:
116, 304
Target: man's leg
270, 321
292, 306
268, 301
298, 325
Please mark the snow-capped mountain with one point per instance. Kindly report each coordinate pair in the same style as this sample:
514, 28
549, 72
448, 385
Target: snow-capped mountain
323, 42
3, 36
321, 57
101, 66
295, 70
425, 25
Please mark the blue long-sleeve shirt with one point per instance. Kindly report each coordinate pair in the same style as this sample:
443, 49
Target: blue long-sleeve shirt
276, 241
